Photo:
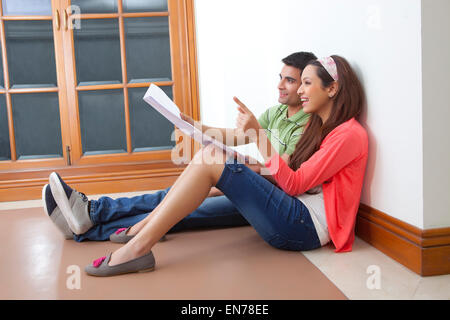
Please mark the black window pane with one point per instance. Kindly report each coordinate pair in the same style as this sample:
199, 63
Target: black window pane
97, 52
37, 125
30, 46
27, 7
5, 151
96, 6
149, 129
148, 49
144, 5
102, 121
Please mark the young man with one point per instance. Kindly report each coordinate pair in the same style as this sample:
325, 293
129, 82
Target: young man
78, 218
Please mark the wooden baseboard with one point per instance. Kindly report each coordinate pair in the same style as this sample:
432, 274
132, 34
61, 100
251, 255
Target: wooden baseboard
426, 252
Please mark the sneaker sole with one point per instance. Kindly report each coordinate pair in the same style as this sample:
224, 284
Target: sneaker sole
43, 200
63, 203
46, 210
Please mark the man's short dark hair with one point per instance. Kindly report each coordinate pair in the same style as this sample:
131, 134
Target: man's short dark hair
299, 60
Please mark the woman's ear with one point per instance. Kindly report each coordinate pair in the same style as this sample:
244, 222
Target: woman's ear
332, 89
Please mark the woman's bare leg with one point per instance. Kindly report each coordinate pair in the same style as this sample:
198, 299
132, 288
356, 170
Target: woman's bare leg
214, 192
188, 192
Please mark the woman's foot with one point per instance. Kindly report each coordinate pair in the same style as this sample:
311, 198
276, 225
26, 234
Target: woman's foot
122, 235
103, 268
125, 254
134, 230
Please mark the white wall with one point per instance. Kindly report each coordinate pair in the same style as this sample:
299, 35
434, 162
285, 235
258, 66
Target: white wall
436, 112
240, 45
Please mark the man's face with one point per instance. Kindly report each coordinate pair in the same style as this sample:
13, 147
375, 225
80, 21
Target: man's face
288, 86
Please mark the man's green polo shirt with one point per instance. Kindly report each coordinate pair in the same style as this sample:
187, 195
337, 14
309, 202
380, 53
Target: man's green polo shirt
283, 132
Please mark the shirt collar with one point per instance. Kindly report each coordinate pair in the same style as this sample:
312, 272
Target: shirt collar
300, 115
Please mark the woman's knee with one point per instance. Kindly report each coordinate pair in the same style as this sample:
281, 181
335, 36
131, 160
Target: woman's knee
209, 155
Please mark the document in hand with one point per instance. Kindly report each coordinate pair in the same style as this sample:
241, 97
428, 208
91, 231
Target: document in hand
164, 105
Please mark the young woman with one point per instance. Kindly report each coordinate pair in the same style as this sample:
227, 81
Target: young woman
320, 183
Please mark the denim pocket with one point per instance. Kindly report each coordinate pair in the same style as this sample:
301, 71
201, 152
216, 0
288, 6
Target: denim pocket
280, 242
233, 165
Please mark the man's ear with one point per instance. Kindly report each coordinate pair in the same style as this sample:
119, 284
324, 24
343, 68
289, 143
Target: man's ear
332, 89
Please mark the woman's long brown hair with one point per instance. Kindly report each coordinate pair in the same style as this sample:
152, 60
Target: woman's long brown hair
348, 103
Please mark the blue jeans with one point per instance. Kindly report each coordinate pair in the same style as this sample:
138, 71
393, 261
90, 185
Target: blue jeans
108, 214
282, 221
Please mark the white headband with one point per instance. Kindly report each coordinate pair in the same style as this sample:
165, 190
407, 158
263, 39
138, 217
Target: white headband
329, 65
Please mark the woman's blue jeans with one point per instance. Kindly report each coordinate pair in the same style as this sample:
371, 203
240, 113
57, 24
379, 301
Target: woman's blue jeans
281, 220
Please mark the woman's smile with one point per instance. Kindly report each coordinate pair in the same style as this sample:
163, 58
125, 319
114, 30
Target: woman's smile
304, 100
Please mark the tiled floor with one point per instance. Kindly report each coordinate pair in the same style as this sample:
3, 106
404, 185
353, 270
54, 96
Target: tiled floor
206, 264
364, 273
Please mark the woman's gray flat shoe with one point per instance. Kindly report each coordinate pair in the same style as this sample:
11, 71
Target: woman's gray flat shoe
120, 236
100, 267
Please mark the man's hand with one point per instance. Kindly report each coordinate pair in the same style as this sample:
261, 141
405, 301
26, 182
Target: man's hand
246, 121
187, 118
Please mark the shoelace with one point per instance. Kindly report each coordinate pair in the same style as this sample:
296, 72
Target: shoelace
83, 196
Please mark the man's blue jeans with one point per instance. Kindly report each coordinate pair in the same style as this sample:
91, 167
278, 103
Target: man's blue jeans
281, 220
108, 214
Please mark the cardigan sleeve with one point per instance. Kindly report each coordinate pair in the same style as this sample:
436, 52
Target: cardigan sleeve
336, 152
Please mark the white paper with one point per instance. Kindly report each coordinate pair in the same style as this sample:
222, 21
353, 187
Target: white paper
164, 105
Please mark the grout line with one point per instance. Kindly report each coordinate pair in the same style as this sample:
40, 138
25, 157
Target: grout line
417, 288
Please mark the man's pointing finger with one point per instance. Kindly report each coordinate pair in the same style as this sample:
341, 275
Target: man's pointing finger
245, 109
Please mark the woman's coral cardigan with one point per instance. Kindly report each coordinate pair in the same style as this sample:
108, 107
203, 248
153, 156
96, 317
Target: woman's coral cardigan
338, 165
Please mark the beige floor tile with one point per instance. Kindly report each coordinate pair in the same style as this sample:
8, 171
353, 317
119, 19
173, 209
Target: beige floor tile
434, 288
350, 272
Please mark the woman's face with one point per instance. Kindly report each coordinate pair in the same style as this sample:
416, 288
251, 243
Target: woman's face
315, 98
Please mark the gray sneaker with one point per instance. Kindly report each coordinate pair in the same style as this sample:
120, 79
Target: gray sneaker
100, 267
73, 205
54, 213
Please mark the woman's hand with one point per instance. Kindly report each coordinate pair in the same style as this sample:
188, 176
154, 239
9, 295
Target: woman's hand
246, 121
